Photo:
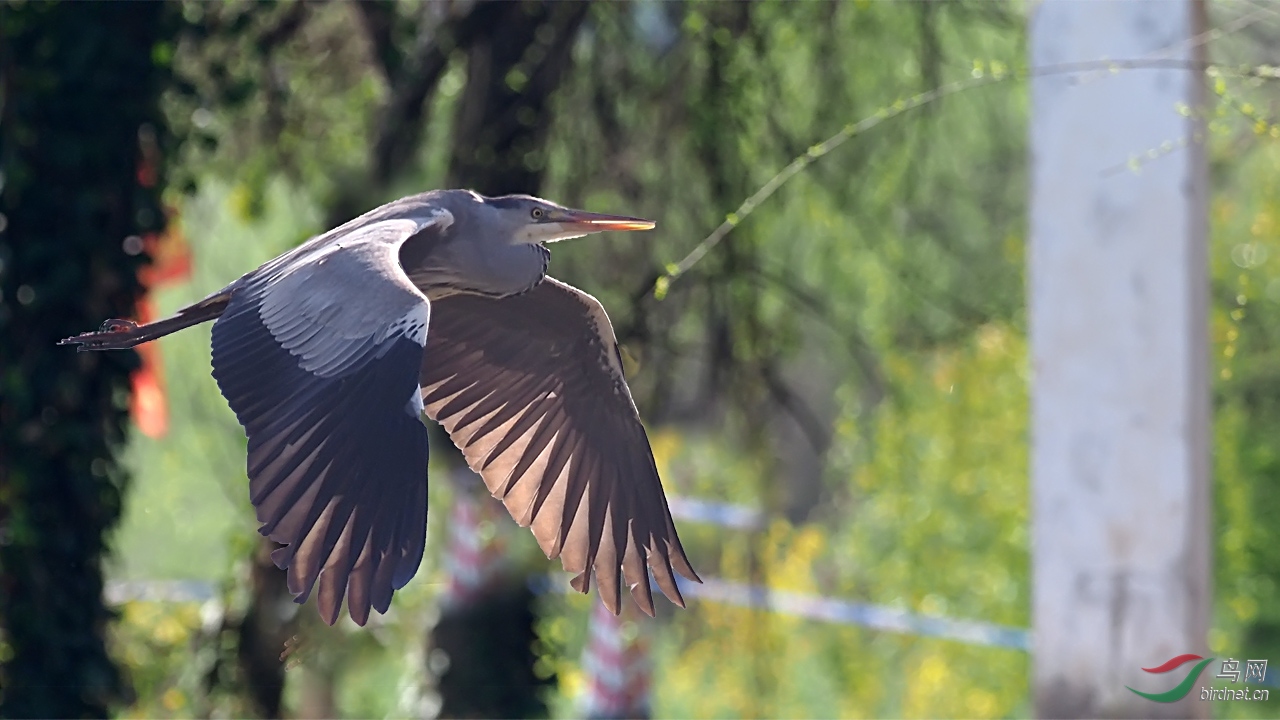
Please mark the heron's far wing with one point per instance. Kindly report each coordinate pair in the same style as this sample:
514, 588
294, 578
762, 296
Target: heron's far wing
530, 387
318, 358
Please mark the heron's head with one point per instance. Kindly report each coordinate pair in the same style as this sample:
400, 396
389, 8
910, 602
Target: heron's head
534, 221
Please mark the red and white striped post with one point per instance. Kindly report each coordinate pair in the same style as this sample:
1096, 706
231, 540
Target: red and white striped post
616, 663
473, 552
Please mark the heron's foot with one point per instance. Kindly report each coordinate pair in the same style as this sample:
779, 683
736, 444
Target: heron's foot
116, 325
113, 335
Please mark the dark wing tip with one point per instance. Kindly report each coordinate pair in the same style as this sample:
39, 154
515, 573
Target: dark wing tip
611, 595
681, 565
359, 614
660, 567
643, 596
690, 575
329, 611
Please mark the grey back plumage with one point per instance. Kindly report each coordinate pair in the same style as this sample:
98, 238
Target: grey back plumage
472, 253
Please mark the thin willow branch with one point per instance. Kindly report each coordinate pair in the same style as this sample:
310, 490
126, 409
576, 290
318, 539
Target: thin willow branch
981, 78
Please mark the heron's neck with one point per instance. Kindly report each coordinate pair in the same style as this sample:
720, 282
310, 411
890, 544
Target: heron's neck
495, 269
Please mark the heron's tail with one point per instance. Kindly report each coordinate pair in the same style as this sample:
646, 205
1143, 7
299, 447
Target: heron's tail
120, 334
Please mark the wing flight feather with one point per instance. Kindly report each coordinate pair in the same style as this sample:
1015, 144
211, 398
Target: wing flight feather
318, 356
531, 390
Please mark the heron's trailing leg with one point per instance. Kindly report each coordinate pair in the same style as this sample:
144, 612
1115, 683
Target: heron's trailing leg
117, 334
114, 334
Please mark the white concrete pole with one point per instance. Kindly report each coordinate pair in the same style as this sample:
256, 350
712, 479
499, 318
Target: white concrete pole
1119, 352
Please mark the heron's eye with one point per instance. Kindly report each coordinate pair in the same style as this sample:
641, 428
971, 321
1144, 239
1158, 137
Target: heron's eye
538, 213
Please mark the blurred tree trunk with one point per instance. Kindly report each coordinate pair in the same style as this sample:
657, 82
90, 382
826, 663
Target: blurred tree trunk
512, 72
81, 85
499, 141
262, 633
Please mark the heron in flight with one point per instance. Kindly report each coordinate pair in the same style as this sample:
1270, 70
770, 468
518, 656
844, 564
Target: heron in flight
437, 303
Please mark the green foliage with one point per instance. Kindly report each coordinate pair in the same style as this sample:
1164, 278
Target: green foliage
156, 643
1245, 333
80, 111
844, 275
257, 97
874, 301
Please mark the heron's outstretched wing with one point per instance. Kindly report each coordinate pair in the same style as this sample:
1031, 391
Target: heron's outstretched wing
318, 357
530, 387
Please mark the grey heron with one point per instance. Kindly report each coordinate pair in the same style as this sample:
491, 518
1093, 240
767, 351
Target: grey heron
435, 304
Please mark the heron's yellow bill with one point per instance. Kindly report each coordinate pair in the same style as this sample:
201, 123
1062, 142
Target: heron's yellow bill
597, 222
